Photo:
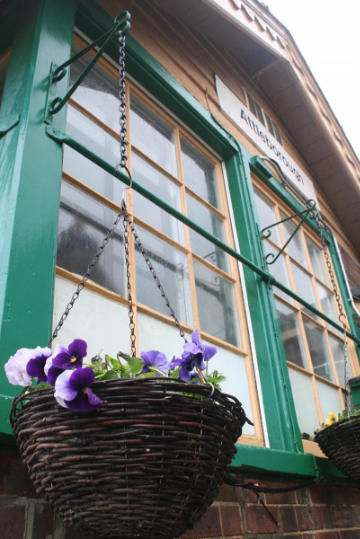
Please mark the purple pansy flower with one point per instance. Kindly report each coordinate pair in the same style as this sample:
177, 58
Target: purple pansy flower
71, 357
194, 356
154, 358
15, 367
52, 372
36, 365
72, 390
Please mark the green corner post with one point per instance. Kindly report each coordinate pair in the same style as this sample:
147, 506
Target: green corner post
30, 172
279, 406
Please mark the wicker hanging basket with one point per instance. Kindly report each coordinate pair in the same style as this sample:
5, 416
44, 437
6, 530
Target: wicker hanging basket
341, 444
147, 464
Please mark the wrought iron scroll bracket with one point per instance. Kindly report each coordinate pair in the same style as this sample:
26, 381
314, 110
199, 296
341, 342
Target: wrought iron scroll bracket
266, 232
121, 24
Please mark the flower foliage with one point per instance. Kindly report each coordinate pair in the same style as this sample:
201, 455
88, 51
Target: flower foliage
63, 369
334, 418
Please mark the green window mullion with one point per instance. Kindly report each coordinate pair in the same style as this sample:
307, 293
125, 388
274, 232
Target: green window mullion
279, 407
30, 171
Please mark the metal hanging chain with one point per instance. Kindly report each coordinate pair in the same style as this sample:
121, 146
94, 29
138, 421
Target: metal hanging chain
122, 164
130, 224
85, 277
341, 314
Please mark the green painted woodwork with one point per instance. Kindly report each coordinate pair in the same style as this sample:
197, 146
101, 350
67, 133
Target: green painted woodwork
30, 171
354, 384
278, 402
255, 461
8, 13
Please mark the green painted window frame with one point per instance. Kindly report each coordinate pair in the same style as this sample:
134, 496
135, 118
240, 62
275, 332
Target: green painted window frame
285, 455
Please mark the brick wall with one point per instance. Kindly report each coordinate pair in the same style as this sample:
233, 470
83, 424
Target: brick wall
313, 513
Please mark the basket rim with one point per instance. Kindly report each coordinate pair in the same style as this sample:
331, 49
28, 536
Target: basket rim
345, 421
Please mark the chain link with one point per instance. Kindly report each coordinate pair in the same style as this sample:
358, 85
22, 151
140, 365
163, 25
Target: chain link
341, 314
153, 272
122, 104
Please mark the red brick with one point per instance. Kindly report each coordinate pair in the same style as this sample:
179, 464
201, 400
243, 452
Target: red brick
43, 521
208, 525
73, 533
342, 516
280, 498
14, 480
257, 519
306, 518
303, 496
287, 518
327, 495
228, 493
329, 535
12, 518
349, 496
230, 520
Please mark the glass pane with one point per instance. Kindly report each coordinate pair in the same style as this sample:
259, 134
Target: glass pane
216, 303
83, 223
155, 334
172, 270
317, 261
304, 288
199, 174
162, 187
318, 350
100, 142
278, 270
295, 247
233, 367
329, 399
338, 352
208, 220
290, 334
152, 135
304, 400
327, 302
97, 92
96, 319
267, 216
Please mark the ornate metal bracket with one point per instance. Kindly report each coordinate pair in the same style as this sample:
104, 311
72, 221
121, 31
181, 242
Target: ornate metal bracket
266, 232
121, 25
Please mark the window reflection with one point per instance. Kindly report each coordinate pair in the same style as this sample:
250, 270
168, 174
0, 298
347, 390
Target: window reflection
199, 174
290, 334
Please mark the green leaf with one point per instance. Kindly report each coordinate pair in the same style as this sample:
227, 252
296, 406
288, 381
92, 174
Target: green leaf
136, 365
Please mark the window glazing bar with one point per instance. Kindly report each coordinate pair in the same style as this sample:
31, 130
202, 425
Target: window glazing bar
63, 138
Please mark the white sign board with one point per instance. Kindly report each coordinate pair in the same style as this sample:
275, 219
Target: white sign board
258, 133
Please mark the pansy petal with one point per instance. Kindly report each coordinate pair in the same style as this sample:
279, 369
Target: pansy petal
63, 389
191, 348
184, 375
94, 400
195, 337
82, 402
52, 374
35, 368
62, 360
78, 348
81, 378
209, 352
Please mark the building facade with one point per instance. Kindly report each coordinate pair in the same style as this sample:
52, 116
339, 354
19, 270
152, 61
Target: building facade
238, 163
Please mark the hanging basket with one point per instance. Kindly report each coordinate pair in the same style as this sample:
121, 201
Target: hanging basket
341, 444
147, 464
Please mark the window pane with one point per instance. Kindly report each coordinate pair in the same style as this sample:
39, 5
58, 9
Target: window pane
152, 135
295, 247
327, 302
171, 268
304, 287
318, 350
278, 270
216, 303
98, 92
317, 261
162, 187
329, 399
304, 400
290, 334
101, 143
267, 216
83, 223
338, 352
199, 174
208, 220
